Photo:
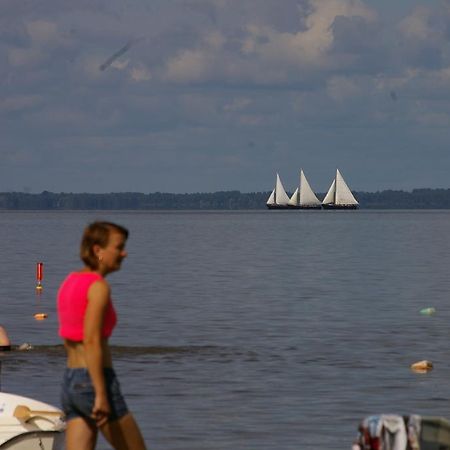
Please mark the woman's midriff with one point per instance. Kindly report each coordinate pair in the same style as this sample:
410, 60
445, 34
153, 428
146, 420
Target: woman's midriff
76, 354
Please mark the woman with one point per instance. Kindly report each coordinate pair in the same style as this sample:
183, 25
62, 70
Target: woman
91, 396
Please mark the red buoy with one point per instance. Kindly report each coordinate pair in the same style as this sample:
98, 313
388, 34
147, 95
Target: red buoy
39, 271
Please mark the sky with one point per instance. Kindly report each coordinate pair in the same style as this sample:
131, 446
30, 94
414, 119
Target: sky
187, 96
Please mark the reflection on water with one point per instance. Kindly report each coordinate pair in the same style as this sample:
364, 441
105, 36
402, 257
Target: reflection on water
247, 329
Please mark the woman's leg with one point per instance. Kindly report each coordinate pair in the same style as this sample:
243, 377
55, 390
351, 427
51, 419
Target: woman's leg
80, 435
124, 434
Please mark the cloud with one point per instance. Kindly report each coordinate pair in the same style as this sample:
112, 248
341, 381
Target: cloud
237, 104
262, 53
42, 32
22, 57
120, 65
140, 73
19, 103
210, 76
423, 37
417, 24
190, 66
342, 88
35, 42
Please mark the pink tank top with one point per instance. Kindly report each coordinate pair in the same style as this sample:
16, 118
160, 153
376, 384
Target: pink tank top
72, 303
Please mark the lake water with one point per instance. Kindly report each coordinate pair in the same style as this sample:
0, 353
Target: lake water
268, 330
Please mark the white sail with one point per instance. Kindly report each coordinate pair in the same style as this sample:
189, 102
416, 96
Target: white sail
271, 199
307, 196
329, 198
278, 197
281, 198
343, 195
294, 200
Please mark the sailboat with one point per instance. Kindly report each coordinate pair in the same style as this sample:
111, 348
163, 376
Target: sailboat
339, 196
304, 197
278, 198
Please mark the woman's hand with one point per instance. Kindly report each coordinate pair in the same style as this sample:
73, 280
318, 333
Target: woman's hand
101, 410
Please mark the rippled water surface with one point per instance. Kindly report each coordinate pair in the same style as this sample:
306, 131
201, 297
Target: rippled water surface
271, 330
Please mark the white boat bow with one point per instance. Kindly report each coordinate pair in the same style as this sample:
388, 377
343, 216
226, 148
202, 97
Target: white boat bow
27, 424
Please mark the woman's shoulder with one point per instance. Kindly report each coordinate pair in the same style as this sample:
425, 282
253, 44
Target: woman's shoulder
99, 289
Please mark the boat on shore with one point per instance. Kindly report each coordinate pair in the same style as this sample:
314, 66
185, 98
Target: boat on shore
304, 197
278, 199
339, 196
27, 424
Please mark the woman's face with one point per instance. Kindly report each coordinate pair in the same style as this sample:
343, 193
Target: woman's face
111, 256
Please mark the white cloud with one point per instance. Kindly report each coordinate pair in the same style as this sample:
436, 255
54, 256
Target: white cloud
190, 66
44, 39
266, 54
42, 32
140, 73
416, 25
120, 64
243, 68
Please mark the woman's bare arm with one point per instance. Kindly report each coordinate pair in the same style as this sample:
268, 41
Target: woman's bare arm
98, 299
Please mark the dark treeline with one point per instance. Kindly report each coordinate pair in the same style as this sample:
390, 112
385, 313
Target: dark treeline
227, 200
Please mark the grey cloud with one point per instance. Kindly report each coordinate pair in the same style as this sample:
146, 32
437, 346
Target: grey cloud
359, 46
355, 34
423, 38
229, 89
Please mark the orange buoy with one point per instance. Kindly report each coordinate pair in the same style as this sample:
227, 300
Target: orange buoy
40, 316
39, 278
422, 366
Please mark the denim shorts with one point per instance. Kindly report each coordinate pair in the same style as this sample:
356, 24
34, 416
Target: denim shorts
78, 394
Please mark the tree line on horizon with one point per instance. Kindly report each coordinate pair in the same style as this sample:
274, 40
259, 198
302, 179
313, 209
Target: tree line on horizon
223, 200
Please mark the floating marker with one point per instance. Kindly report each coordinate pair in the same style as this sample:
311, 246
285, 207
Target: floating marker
428, 311
40, 316
39, 274
39, 278
422, 366
39, 271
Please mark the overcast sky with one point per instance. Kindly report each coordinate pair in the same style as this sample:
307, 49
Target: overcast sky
207, 95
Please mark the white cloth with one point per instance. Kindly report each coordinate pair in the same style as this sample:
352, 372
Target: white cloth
394, 432
414, 427
391, 430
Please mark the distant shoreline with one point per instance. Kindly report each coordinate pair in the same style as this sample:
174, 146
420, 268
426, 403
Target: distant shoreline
223, 200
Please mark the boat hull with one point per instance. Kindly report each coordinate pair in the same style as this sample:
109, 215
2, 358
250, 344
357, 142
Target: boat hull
278, 206
42, 440
306, 207
331, 206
